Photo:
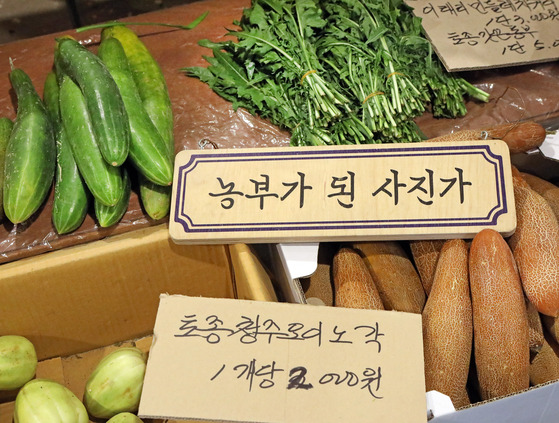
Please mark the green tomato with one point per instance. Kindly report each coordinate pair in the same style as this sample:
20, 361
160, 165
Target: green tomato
115, 385
125, 418
18, 361
45, 401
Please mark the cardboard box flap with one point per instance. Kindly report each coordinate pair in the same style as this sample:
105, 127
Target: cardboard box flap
88, 296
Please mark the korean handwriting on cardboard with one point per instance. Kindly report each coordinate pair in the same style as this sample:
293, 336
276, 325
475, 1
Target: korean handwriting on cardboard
510, 25
263, 374
249, 330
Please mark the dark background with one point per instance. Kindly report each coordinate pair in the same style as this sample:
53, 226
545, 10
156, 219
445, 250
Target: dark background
21, 19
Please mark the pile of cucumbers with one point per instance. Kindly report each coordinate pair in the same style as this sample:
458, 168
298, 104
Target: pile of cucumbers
103, 119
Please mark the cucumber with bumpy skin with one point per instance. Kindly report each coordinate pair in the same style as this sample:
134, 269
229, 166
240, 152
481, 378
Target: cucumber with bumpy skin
111, 215
156, 199
148, 151
30, 153
155, 97
103, 180
6, 126
104, 102
149, 80
71, 197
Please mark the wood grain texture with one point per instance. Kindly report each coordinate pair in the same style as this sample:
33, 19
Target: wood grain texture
394, 275
447, 325
501, 343
425, 255
353, 284
535, 245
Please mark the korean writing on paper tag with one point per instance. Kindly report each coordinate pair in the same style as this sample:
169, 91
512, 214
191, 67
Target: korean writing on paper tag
470, 34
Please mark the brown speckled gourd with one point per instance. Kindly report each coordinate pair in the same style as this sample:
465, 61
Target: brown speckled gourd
425, 254
520, 137
546, 189
447, 325
551, 325
535, 327
518, 178
319, 287
501, 340
353, 284
545, 365
535, 245
394, 275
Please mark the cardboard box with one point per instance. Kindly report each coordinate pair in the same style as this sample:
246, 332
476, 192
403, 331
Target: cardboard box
92, 295
292, 262
73, 371
79, 303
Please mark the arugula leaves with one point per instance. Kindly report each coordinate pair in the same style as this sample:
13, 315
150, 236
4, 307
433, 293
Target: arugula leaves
334, 71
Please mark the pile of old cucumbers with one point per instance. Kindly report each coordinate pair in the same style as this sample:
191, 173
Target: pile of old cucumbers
112, 390
102, 117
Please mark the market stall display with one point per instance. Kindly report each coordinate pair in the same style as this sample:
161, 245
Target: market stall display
252, 86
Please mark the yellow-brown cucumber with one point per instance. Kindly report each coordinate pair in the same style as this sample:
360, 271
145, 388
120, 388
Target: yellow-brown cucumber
545, 365
353, 284
394, 275
319, 287
535, 327
535, 245
546, 189
501, 340
447, 325
551, 325
425, 254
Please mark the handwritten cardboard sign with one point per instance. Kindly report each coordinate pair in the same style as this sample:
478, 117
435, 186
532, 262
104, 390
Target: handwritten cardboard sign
396, 191
252, 361
475, 34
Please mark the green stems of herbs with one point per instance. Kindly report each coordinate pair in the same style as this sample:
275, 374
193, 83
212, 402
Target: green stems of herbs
334, 71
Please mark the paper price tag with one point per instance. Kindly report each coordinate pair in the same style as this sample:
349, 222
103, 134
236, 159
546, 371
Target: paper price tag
476, 34
388, 191
251, 361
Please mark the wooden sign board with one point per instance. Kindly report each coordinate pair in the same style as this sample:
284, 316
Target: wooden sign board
255, 361
482, 34
369, 192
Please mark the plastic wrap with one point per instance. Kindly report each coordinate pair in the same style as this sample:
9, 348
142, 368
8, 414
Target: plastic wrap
521, 93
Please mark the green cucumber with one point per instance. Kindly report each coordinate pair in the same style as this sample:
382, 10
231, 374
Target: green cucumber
71, 197
30, 153
149, 80
155, 97
104, 103
148, 151
155, 199
103, 180
6, 126
111, 215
